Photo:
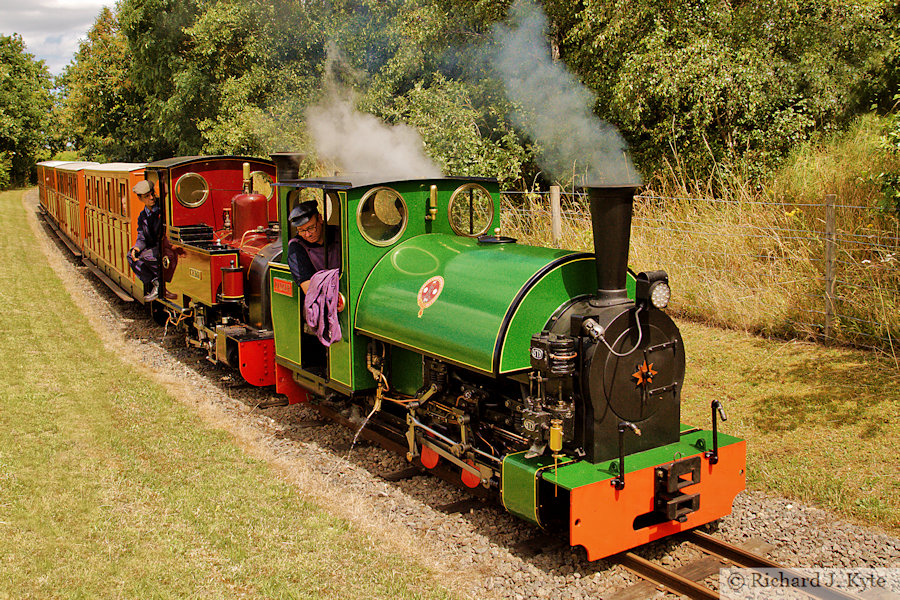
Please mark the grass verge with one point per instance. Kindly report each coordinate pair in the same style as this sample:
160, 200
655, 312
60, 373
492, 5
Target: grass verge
111, 488
822, 424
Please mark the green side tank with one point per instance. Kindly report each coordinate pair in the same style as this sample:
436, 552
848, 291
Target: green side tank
467, 302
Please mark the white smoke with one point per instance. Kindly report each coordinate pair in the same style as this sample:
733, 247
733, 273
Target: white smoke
361, 142
555, 108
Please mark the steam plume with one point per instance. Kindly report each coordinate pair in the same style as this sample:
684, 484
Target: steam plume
555, 107
360, 142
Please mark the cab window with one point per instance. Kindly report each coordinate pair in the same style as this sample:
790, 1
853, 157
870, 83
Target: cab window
382, 216
471, 210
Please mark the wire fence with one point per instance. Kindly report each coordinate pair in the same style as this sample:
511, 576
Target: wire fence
826, 271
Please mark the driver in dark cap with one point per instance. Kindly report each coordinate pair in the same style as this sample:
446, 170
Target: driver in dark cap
143, 257
315, 247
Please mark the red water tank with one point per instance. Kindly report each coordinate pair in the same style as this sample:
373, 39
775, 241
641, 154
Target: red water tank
248, 211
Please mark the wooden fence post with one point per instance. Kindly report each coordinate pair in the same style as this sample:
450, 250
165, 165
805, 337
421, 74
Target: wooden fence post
830, 251
555, 215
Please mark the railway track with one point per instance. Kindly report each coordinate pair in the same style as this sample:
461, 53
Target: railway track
719, 554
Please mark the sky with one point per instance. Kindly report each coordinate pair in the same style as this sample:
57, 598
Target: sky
50, 28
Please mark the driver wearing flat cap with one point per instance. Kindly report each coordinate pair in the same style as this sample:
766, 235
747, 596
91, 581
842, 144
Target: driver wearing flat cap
143, 257
315, 247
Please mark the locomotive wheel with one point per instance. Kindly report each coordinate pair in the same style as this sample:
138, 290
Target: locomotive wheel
469, 479
159, 314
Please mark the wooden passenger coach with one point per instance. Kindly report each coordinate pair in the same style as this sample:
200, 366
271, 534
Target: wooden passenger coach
64, 193
110, 216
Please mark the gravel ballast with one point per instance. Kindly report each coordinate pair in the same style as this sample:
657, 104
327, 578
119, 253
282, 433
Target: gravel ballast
476, 552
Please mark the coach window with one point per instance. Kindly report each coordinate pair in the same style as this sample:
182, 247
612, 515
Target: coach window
471, 210
123, 199
382, 216
191, 190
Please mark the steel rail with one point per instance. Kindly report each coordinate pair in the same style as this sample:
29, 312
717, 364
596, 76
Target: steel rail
664, 577
735, 554
744, 558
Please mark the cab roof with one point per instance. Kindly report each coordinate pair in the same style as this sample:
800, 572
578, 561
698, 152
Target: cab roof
177, 161
347, 181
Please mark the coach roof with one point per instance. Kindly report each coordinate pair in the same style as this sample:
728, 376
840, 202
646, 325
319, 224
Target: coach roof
76, 166
118, 167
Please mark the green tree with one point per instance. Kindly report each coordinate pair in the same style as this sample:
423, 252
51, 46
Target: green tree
465, 137
258, 63
160, 47
25, 109
422, 63
103, 109
722, 81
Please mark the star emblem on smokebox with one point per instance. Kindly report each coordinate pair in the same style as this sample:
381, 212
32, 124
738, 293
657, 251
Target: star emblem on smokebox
644, 374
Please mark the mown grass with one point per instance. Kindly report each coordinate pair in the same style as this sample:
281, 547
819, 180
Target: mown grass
822, 424
110, 488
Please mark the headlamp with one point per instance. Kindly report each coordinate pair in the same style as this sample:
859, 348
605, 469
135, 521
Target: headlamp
652, 287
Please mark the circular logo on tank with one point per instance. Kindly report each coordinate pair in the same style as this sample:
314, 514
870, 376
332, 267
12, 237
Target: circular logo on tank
429, 293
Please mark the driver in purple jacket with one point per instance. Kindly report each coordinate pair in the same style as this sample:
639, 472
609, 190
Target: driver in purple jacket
317, 246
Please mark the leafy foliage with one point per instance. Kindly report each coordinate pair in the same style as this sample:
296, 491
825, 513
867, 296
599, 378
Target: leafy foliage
464, 137
174, 95
260, 61
707, 83
715, 81
25, 104
890, 180
103, 109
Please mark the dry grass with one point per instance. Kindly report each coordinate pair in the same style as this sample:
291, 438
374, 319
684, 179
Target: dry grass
752, 257
822, 424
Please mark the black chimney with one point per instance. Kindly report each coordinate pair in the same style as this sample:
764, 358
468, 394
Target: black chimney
287, 165
611, 209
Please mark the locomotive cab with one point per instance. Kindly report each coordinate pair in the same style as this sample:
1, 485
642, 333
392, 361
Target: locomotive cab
310, 354
375, 218
220, 231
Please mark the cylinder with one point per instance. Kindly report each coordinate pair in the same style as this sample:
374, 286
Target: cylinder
232, 284
248, 212
611, 210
